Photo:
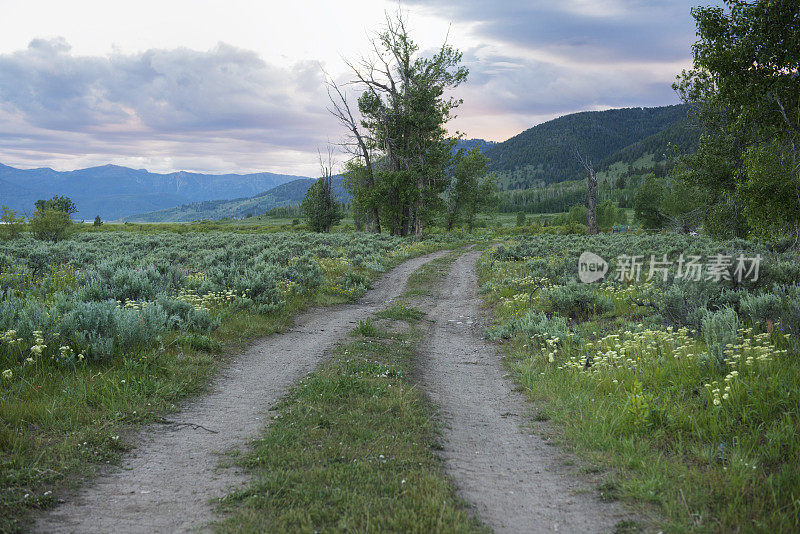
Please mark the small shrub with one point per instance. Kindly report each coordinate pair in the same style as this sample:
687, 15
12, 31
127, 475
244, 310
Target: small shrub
719, 331
199, 342
49, 224
531, 324
759, 309
577, 301
306, 272
10, 224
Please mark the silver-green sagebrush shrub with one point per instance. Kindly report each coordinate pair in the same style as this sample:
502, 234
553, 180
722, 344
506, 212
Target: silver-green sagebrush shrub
576, 300
532, 323
306, 272
758, 309
261, 285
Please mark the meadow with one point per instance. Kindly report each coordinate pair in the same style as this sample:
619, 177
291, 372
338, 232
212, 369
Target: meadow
111, 329
684, 390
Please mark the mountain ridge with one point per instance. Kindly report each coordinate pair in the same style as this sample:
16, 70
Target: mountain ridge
114, 191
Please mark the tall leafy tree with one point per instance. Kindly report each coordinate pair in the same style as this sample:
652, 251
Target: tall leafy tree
401, 141
746, 86
57, 203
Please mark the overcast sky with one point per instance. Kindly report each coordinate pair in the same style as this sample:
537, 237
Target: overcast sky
237, 85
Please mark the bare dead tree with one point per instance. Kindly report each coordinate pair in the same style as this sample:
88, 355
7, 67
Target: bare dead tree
591, 189
356, 145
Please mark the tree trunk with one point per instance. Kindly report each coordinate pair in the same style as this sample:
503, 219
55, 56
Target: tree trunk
376, 221
591, 182
418, 224
404, 221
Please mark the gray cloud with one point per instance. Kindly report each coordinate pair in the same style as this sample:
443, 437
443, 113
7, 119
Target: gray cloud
610, 31
57, 102
542, 59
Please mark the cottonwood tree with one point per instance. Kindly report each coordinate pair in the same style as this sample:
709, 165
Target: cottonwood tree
57, 203
746, 85
401, 145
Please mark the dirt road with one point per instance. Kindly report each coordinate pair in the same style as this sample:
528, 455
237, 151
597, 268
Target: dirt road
516, 480
168, 483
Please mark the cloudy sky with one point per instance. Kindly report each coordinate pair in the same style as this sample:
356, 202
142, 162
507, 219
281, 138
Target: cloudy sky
237, 85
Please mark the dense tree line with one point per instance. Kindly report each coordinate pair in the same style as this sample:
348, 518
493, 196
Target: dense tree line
744, 91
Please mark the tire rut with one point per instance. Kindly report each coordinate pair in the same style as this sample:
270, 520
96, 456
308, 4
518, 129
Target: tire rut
167, 484
516, 480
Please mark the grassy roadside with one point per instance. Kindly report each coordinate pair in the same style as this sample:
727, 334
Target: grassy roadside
351, 447
59, 425
698, 446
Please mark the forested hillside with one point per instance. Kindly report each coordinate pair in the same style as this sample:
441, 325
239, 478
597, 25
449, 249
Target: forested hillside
546, 152
620, 175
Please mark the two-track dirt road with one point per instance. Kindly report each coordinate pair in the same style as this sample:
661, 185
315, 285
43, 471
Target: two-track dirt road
516, 480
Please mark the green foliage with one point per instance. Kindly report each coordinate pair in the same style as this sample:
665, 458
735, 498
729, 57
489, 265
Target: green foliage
769, 199
720, 330
50, 225
608, 215
319, 206
406, 150
366, 328
98, 221
648, 204
575, 300
470, 191
521, 218
10, 224
759, 309
578, 214
545, 153
744, 84
668, 386
57, 203
534, 323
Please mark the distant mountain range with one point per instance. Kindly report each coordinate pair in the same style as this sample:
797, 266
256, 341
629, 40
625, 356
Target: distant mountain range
283, 195
114, 192
538, 156
287, 194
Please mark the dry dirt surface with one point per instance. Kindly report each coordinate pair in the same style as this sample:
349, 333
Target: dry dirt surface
168, 483
515, 479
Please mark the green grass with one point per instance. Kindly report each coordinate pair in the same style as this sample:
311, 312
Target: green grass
351, 449
651, 420
58, 425
400, 312
366, 328
422, 282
